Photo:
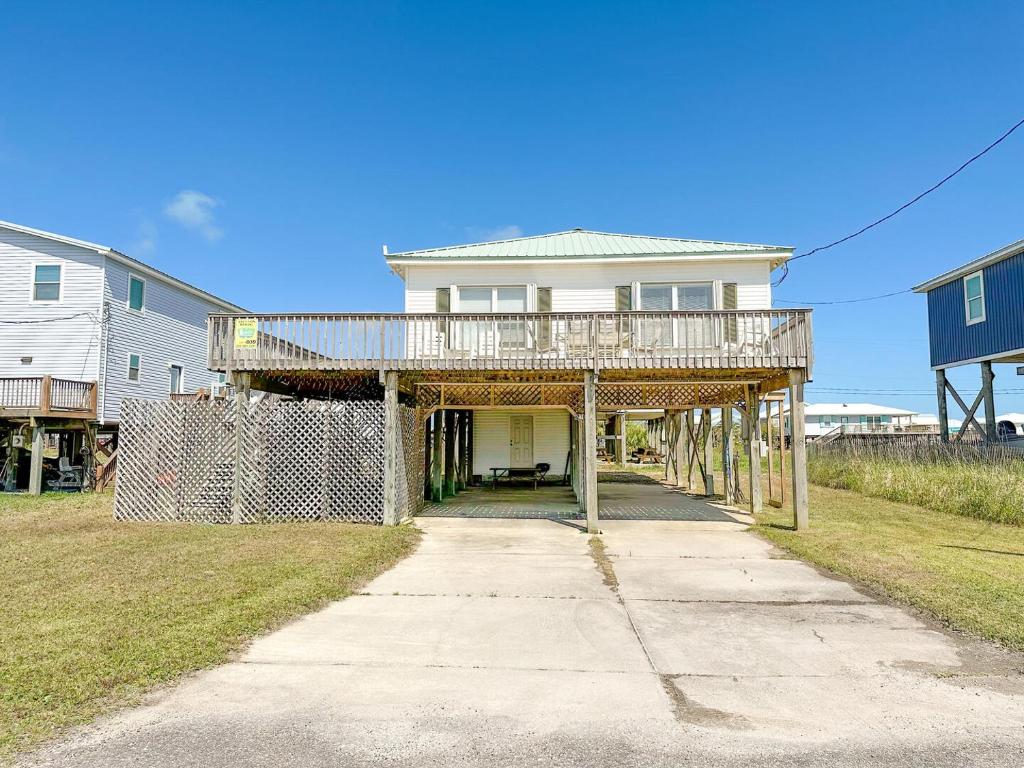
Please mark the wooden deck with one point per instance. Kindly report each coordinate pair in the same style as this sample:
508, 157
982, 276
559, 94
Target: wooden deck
28, 397
616, 341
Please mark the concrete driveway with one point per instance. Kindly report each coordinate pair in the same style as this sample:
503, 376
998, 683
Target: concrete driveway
515, 642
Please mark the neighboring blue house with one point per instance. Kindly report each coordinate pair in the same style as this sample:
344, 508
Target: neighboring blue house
976, 315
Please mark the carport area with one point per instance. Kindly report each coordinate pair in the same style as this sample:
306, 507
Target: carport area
622, 495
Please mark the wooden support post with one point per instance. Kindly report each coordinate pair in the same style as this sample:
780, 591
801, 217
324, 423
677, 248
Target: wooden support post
709, 452
670, 447
692, 464
469, 447
799, 449
590, 450
449, 453
987, 376
436, 459
727, 479
13, 455
241, 384
392, 515
428, 443
754, 445
620, 441
768, 440
35, 476
680, 449
940, 393
462, 480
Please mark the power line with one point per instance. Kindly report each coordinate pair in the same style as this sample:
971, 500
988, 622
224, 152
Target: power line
50, 319
845, 301
872, 225
906, 205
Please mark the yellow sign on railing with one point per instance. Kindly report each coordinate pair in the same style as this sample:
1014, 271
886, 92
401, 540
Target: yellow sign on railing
245, 332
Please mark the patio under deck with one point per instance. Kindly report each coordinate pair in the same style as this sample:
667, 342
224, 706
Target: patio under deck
621, 496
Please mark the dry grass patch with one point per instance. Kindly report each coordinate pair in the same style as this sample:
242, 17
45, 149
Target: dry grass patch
96, 612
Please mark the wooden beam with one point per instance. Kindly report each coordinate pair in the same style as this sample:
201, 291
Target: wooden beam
709, 452
801, 518
968, 412
754, 445
450, 441
987, 377
392, 515
35, 477
590, 450
727, 478
940, 393
436, 459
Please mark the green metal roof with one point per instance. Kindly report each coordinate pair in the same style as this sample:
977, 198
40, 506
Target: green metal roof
585, 244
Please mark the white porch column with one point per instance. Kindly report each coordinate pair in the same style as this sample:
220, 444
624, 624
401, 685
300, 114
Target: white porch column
799, 449
392, 514
590, 450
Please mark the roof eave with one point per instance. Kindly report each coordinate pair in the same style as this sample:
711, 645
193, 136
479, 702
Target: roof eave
972, 266
776, 257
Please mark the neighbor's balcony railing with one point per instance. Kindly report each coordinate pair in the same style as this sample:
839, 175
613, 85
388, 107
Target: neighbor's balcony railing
535, 340
47, 396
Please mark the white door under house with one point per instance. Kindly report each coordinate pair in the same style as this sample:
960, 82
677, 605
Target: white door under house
520, 439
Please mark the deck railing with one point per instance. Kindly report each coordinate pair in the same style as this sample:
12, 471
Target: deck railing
47, 395
536, 340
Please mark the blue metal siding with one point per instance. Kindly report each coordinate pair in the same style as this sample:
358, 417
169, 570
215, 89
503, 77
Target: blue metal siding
953, 341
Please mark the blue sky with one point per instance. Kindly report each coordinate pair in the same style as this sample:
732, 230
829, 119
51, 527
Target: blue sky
266, 151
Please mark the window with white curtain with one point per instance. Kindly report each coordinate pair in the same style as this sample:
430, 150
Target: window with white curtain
492, 299
667, 297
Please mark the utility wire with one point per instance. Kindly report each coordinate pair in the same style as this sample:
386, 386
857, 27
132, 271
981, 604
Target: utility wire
872, 225
906, 205
845, 301
50, 319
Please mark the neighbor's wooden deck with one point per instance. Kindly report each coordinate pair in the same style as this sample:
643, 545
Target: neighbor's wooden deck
25, 397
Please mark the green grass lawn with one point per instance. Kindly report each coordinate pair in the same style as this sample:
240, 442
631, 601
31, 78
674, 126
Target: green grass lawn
95, 612
968, 573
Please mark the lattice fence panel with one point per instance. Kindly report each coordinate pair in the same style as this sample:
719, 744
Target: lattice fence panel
311, 460
411, 458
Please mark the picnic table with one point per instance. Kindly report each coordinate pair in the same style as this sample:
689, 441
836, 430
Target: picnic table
536, 474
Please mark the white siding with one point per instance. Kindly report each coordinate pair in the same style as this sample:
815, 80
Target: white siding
170, 330
589, 287
491, 439
59, 347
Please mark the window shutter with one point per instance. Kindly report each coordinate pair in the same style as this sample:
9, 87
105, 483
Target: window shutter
623, 298
729, 301
544, 323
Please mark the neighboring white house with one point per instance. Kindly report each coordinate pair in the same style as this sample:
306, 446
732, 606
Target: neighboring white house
578, 271
823, 418
76, 310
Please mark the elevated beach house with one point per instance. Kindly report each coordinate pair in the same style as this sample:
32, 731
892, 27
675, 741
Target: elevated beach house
974, 316
508, 351
82, 327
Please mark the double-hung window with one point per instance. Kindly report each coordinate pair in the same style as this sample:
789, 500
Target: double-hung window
481, 335
134, 367
687, 332
136, 293
974, 297
46, 282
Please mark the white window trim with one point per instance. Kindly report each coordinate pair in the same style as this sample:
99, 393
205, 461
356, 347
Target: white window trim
128, 369
713, 284
980, 274
494, 295
181, 380
32, 283
145, 293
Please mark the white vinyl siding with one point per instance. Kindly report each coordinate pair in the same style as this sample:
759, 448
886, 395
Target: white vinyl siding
170, 331
591, 287
491, 439
62, 338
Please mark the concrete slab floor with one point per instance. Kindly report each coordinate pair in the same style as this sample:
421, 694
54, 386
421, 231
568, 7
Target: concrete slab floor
501, 643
